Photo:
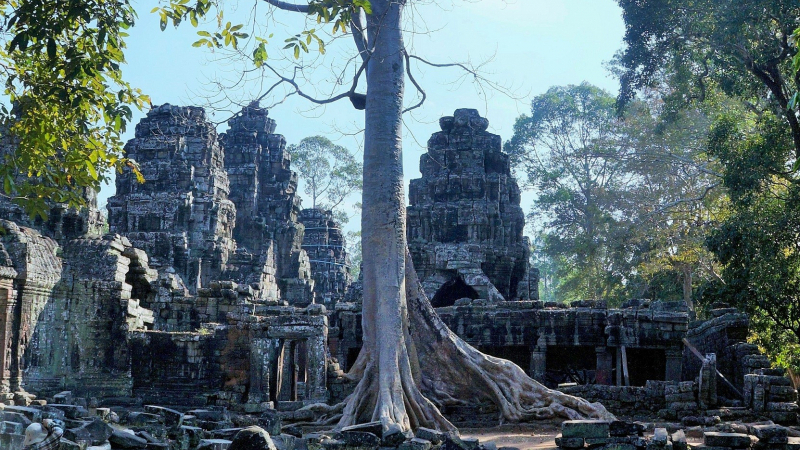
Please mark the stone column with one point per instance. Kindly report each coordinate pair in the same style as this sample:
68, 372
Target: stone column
674, 368
604, 366
7, 338
316, 371
707, 389
619, 366
538, 363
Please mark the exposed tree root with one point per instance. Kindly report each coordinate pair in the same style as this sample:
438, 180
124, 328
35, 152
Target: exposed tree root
452, 369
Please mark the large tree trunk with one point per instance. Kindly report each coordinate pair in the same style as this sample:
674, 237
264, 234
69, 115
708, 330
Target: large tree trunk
394, 363
387, 391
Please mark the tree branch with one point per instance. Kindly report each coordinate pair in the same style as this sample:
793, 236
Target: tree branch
286, 6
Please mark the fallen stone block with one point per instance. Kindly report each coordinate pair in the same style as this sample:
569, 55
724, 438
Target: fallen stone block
252, 438
193, 434
214, 444
619, 428
225, 433
126, 440
766, 432
585, 429
95, 432
731, 440
8, 416
284, 442
679, 440
394, 436
660, 436
172, 418
270, 421
33, 414
793, 444
433, 436
73, 412
359, 439
66, 444
569, 442
8, 440
63, 398
11, 428
415, 444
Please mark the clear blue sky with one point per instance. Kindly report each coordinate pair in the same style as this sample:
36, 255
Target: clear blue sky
535, 44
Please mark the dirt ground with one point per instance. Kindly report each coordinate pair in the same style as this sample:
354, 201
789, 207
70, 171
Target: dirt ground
539, 436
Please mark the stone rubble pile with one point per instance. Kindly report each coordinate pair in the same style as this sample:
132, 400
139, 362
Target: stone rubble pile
620, 435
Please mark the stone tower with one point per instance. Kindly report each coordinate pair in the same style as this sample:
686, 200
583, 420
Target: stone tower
181, 216
465, 222
264, 189
325, 245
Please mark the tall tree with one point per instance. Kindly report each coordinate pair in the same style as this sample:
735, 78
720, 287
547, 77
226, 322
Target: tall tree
330, 173
744, 49
395, 365
624, 202
571, 149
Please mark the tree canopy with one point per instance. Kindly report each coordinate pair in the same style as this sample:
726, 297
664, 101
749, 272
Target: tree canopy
329, 172
69, 103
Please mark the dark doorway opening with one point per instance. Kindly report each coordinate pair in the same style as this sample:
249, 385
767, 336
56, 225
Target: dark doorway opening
352, 356
451, 291
646, 364
570, 364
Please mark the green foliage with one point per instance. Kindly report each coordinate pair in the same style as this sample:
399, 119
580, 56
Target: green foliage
758, 243
62, 62
339, 13
624, 203
742, 46
330, 173
563, 148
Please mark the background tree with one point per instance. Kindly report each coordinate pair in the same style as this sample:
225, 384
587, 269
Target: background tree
329, 172
564, 148
623, 204
744, 50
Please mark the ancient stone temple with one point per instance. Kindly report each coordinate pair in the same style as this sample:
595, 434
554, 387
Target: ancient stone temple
325, 245
465, 222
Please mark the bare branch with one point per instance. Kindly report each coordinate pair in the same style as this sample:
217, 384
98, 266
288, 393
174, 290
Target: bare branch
416, 85
286, 6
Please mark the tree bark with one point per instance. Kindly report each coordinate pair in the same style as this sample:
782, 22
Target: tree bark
387, 391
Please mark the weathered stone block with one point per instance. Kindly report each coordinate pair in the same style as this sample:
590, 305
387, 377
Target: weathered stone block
432, 436
766, 432
731, 440
126, 440
569, 442
620, 428
415, 444
361, 440
252, 438
96, 431
214, 444
585, 429
679, 440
